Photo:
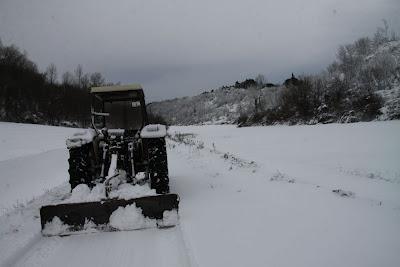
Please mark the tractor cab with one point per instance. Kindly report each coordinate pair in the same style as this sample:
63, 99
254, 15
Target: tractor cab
119, 107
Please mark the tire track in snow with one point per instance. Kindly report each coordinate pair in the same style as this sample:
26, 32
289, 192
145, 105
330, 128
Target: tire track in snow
146, 247
20, 227
192, 262
160, 247
192, 141
38, 252
13, 259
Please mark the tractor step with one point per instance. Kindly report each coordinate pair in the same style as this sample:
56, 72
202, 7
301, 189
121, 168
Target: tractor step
75, 215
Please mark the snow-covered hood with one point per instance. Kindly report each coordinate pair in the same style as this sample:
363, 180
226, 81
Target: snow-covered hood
81, 138
154, 131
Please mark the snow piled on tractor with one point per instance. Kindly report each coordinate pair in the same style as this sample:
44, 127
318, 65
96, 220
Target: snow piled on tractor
131, 218
82, 193
123, 219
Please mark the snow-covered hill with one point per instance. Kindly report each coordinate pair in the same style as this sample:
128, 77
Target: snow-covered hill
323, 195
340, 94
220, 106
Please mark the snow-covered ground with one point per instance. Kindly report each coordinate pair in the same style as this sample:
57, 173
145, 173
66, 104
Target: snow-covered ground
32, 160
324, 195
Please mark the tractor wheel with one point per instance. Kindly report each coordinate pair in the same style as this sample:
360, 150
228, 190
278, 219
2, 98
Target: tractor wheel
81, 166
158, 165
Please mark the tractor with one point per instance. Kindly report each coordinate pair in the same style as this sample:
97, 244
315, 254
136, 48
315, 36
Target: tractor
119, 148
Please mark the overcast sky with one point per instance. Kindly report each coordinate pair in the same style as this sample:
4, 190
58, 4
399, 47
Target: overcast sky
183, 47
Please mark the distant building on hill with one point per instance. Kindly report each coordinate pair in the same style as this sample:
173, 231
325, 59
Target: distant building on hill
291, 81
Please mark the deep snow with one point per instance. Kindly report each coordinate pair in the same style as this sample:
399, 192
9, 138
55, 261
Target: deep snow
82, 193
324, 195
130, 218
32, 160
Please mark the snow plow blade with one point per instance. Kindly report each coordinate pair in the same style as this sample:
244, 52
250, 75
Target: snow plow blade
76, 215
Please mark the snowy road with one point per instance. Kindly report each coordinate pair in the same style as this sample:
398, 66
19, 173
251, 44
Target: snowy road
150, 247
260, 196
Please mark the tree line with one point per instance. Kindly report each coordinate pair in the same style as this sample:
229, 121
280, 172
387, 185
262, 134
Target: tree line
28, 95
347, 91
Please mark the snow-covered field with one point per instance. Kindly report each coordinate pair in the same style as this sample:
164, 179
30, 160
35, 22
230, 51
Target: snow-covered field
324, 195
32, 160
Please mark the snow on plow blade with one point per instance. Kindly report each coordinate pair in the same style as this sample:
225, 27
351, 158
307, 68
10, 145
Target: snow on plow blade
75, 217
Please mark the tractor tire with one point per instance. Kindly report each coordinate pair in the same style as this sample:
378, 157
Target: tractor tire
158, 165
82, 169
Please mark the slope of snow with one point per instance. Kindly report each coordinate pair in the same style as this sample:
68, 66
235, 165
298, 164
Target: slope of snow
21, 140
33, 159
324, 195
219, 106
376, 68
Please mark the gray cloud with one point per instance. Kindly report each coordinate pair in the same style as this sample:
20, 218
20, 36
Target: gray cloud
181, 47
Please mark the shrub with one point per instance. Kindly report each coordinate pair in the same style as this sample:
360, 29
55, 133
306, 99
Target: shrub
242, 119
298, 100
367, 105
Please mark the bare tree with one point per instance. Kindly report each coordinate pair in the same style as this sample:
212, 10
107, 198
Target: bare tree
260, 80
96, 79
11, 55
363, 46
51, 73
394, 36
382, 34
67, 78
79, 75
386, 28
85, 81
